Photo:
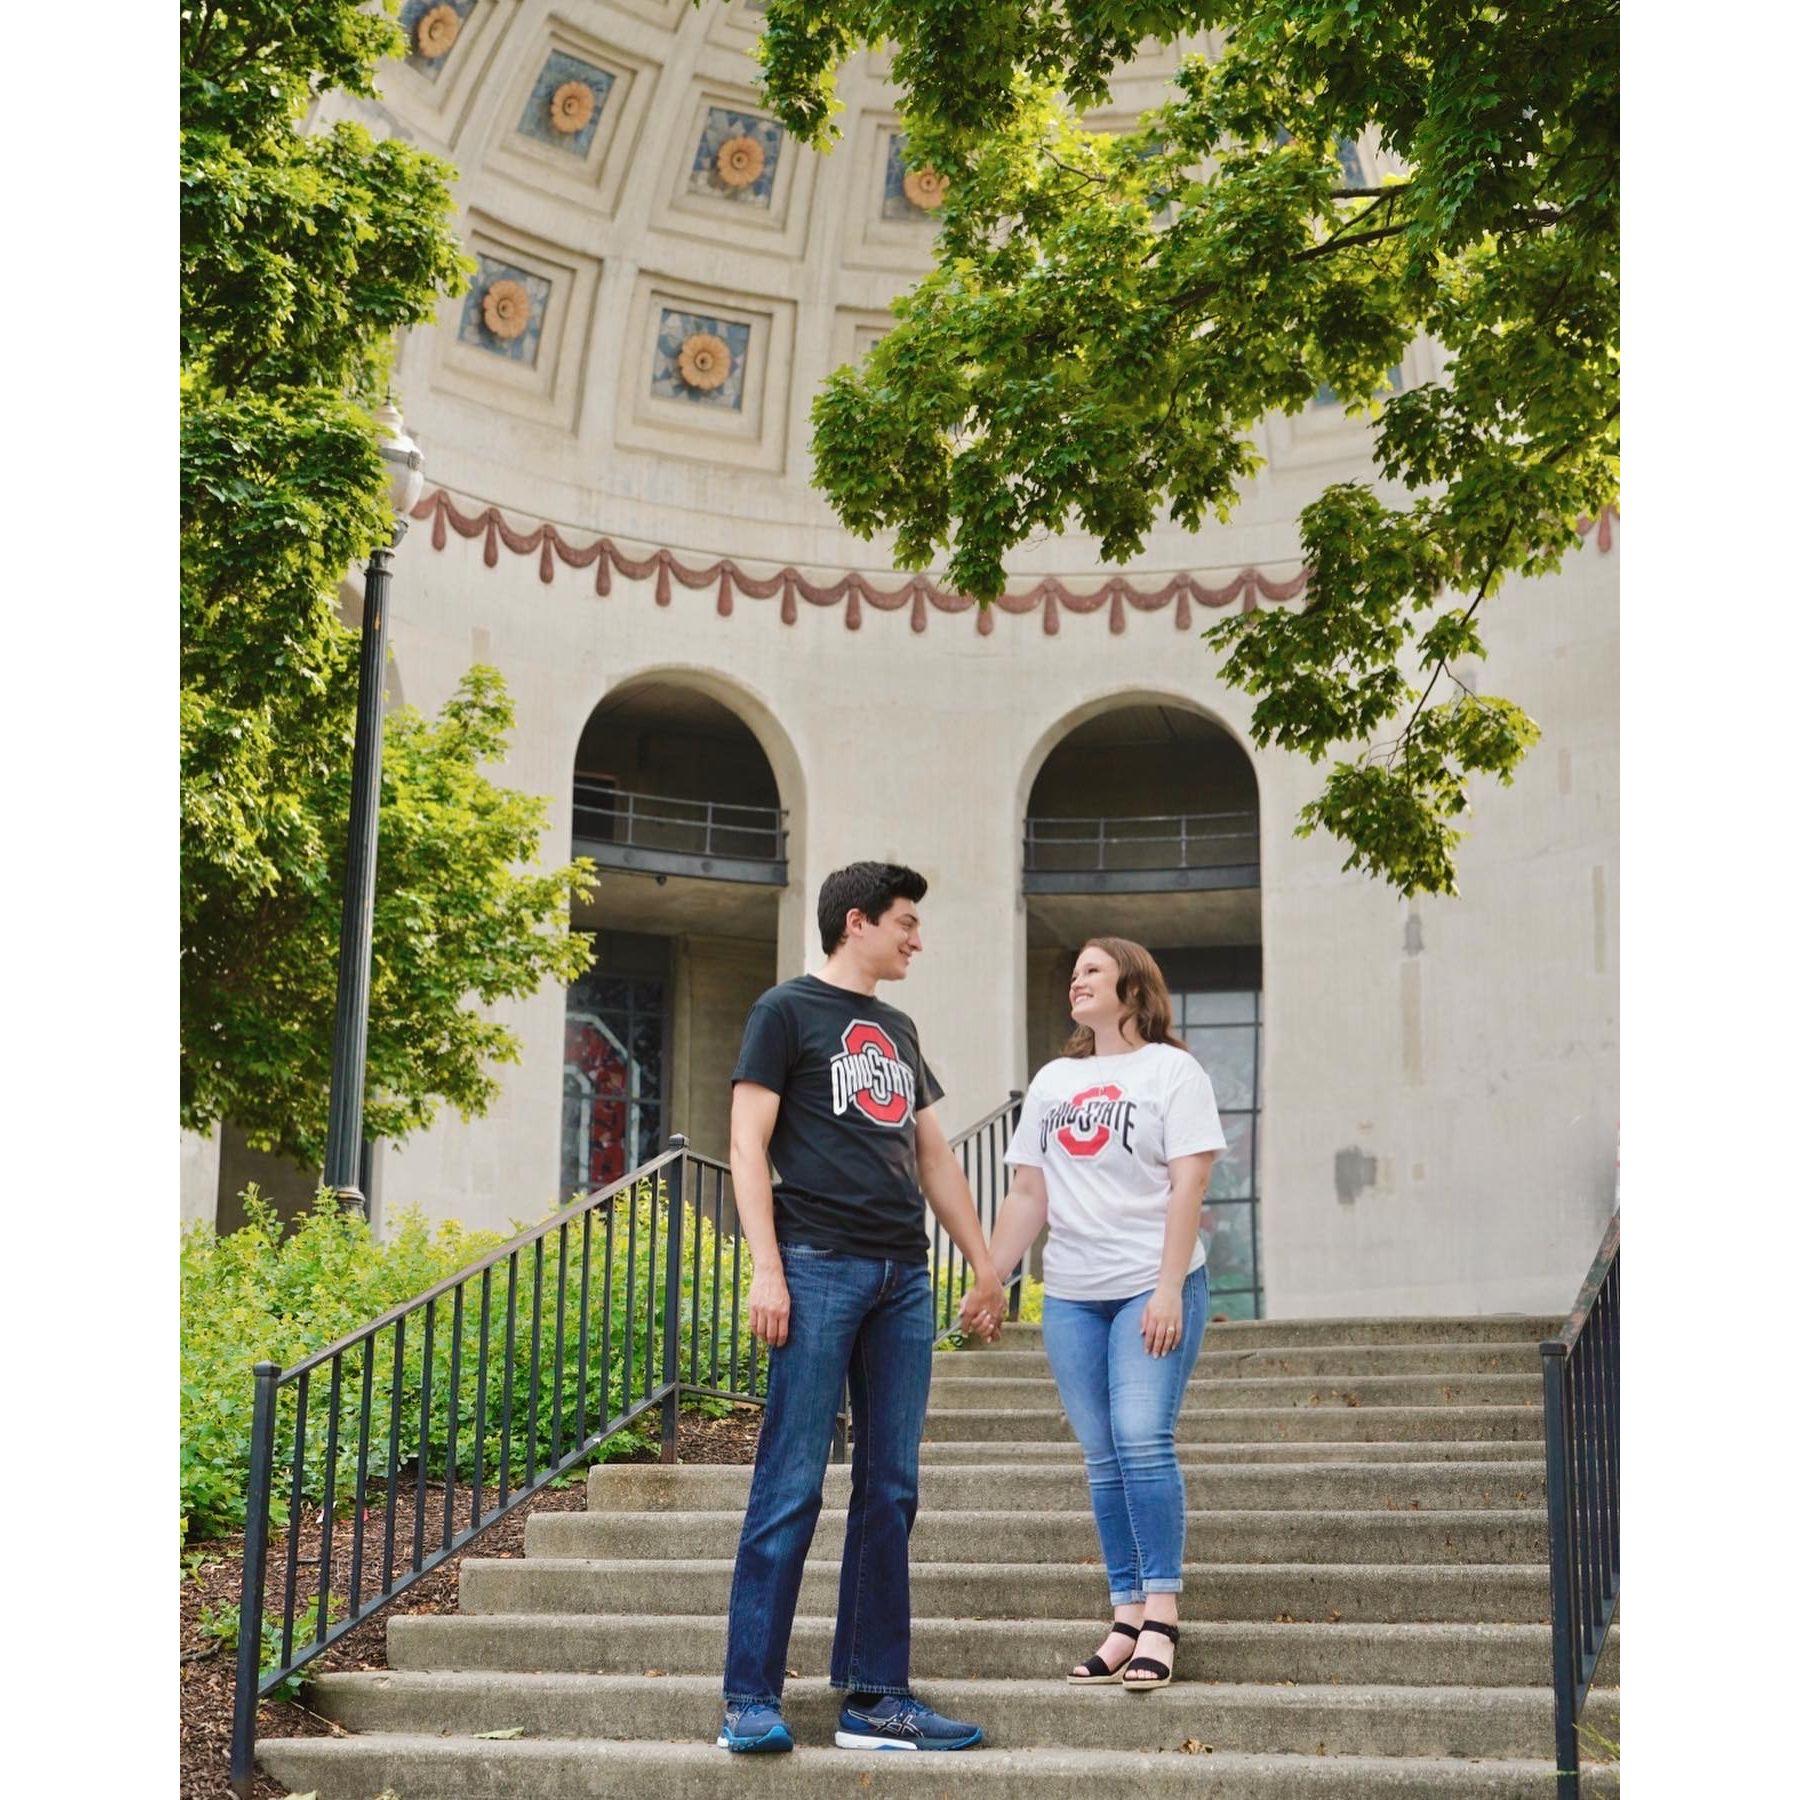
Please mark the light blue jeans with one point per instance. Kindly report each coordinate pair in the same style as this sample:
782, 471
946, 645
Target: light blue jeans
1123, 1402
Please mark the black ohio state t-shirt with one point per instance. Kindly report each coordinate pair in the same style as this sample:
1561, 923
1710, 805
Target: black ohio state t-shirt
851, 1080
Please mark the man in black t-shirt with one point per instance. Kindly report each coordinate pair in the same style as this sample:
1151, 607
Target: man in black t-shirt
831, 1085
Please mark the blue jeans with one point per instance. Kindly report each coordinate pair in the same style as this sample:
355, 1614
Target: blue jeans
1123, 1402
868, 1320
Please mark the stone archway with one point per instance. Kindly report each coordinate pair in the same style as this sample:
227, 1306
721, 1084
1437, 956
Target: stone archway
1140, 817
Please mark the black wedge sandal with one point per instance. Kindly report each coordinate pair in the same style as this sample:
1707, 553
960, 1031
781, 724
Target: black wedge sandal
1095, 1672
1155, 1674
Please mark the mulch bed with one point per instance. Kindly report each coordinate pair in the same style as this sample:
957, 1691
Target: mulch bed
207, 1672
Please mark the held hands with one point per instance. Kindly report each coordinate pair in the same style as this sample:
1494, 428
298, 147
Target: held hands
1162, 1321
769, 1303
983, 1307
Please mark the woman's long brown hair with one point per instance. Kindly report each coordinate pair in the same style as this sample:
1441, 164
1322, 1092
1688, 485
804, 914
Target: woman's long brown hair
1141, 988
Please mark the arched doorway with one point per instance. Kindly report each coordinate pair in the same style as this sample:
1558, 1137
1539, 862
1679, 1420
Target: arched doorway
1142, 821
678, 805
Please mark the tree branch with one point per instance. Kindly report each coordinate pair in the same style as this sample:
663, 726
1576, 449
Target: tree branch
1334, 244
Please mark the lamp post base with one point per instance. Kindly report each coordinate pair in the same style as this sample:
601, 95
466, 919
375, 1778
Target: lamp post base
349, 1198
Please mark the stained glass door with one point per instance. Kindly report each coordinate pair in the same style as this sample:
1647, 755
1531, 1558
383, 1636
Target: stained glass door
615, 1044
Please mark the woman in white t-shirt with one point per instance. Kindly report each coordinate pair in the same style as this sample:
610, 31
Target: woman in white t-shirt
1113, 1150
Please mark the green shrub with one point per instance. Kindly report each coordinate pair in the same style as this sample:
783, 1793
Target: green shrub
262, 1294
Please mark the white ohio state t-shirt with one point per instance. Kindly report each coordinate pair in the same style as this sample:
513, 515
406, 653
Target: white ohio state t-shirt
1103, 1130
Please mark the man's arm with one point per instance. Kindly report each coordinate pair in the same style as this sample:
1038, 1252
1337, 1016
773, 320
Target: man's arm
947, 1189
753, 1111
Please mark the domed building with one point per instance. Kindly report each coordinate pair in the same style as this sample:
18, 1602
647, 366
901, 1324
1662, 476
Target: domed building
725, 695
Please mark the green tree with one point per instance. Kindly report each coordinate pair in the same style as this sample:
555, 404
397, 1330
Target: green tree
303, 254
1110, 317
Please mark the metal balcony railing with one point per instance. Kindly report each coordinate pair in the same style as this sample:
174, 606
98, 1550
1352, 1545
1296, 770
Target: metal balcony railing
1151, 853
660, 835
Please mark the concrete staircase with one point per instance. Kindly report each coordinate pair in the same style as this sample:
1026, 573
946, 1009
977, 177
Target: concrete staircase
1365, 1611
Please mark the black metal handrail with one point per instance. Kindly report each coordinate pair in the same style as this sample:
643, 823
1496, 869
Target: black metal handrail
1581, 1466
1146, 841
710, 828
981, 1148
541, 1384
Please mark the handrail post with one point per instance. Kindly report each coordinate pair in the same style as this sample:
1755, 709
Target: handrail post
1016, 1098
671, 1352
1562, 1598
250, 1602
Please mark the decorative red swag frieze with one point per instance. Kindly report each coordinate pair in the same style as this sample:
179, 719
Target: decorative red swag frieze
1247, 589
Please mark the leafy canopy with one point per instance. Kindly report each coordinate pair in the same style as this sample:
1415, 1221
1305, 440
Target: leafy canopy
302, 255
1111, 315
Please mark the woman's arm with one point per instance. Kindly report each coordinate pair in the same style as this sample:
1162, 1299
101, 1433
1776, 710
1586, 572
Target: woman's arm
1022, 1217
1188, 1176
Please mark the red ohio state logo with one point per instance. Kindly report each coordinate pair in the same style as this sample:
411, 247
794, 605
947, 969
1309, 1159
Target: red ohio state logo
1089, 1130
871, 1076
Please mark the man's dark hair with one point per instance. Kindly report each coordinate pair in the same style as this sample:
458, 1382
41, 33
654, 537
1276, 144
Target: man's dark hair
868, 887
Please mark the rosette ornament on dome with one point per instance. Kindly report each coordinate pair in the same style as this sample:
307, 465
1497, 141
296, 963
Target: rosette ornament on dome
926, 188
571, 106
437, 30
740, 161
704, 361
506, 309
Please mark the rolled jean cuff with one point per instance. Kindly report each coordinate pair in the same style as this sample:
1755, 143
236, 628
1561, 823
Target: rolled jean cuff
866, 1687
1128, 1596
773, 1700
1162, 1584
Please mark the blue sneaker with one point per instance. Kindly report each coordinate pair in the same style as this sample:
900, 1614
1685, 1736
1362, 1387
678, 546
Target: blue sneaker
900, 1722
750, 1726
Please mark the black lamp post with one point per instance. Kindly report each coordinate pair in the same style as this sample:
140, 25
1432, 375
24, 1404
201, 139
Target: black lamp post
350, 1036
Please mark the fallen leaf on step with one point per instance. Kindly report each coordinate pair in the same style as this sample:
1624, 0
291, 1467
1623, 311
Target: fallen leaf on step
1194, 1747
1333, 1616
511, 1731
653, 1673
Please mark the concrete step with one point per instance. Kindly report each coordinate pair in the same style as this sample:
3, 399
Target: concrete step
433, 1768
1391, 1593
1514, 1536
1262, 1391
1286, 1718
1334, 1420
1061, 1486
1263, 1334
1023, 1649
1300, 1360
1193, 1455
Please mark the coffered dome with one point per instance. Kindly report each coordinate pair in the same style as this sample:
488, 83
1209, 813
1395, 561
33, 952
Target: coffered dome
664, 277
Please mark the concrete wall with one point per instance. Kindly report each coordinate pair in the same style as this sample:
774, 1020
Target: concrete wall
199, 1176
1472, 1056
